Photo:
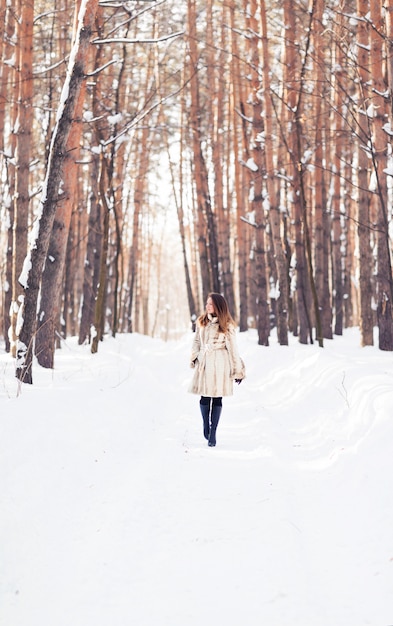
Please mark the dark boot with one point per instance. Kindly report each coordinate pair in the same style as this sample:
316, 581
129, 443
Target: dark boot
215, 417
205, 411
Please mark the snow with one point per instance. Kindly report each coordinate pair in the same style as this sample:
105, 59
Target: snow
371, 111
115, 511
88, 116
26, 267
115, 119
388, 129
251, 165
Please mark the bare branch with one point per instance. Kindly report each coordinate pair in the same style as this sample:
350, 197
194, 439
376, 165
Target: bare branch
126, 40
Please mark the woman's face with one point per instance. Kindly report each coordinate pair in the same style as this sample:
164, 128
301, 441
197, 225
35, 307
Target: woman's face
210, 306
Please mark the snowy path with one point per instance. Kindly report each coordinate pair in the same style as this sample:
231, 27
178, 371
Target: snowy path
115, 512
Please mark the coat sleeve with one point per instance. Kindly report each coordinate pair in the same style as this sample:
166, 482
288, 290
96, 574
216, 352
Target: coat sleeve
238, 370
196, 346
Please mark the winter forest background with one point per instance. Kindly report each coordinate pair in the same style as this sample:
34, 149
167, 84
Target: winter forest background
153, 151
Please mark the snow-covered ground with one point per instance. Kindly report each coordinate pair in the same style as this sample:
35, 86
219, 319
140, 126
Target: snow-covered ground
115, 512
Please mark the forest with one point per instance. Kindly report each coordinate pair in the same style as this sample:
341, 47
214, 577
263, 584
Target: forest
154, 151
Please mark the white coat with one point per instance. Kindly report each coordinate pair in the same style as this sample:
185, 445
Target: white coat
216, 360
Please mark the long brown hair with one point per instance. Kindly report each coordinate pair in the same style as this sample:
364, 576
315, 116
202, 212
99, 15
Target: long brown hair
221, 311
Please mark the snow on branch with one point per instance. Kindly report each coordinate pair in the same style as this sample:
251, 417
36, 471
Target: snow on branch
139, 117
388, 129
138, 40
102, 67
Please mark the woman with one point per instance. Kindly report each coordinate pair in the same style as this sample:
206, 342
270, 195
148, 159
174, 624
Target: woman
216, 360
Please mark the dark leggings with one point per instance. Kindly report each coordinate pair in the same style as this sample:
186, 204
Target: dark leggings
206, 400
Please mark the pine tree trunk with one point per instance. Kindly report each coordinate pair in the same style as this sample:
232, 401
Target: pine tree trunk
321, 244
207, 239
363, 217
291, 82
38, 251
239, 146
6, 106
380, 157
23, 155
218, 102
337, 158
99, 313
263, 321
274, 209
52, 277
91, 265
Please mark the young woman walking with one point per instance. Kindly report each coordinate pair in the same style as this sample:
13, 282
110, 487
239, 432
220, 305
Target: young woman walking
216, 360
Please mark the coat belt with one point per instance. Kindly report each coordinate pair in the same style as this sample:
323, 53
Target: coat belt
213, 346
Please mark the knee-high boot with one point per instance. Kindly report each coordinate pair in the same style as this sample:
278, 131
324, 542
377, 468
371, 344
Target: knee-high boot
215, 417
204, 405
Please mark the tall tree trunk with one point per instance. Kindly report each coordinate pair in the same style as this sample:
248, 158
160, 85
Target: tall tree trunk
351, 316
52, 277
23, 156
380, 155
337, 151
217, 104
321, 244
363, 217
92, 261
299, 174
239, 146
8, 111
273, 198
34, 263
207, 239
291, 82
99, 313
388, 5
136, 244
258, 168
295, 85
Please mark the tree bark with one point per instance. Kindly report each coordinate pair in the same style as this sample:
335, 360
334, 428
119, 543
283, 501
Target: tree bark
23, 156
321, 234
99, 312
337, 150
292, 102
258, 168
8, 111
240, 149
52, 277
380, 158
34, 263
207, 238
92, 261
217, 106
363, 216
273, 199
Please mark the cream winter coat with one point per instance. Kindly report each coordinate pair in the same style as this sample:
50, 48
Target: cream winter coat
216, 360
